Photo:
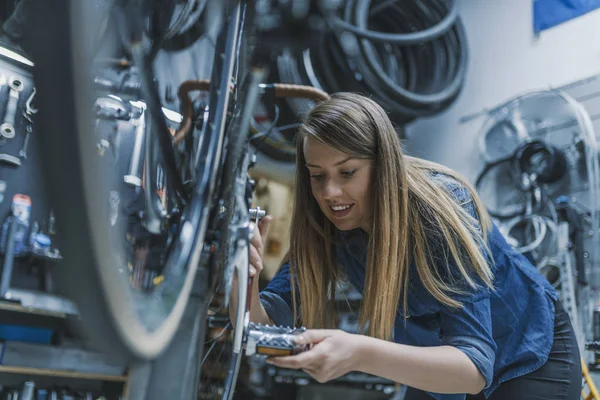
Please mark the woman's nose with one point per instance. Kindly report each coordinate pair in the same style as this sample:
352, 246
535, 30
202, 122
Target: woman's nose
331, 190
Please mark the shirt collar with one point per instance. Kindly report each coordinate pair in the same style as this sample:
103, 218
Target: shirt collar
351, 235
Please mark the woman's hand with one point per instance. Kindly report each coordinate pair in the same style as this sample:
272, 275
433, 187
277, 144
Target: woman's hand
334, 353
257, 246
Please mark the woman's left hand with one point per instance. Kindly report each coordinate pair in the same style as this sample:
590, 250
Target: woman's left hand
333, 354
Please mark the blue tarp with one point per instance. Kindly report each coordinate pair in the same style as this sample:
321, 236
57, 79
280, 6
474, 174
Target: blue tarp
549, 13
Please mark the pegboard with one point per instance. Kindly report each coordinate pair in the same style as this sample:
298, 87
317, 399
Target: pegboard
25, 179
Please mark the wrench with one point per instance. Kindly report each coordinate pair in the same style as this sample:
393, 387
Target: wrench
23, 152
28, 107
2, 84
29, 110
7, 129
3, 186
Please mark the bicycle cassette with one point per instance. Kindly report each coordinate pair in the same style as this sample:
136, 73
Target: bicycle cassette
273, 340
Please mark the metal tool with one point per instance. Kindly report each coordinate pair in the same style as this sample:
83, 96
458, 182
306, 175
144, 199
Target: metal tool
111, 108
2, 84
7, 265
10, 160
51, 224
134, 177
7, 129
29, 109
28, 391
23, 151
12, 395
256, 214
2, 190
28, 117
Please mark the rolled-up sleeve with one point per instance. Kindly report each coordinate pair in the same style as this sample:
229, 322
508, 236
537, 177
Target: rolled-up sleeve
276, 298
469, 329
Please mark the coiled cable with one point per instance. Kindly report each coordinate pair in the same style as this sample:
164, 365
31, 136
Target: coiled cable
411, 57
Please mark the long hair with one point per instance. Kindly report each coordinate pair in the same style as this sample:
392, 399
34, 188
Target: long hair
409, 208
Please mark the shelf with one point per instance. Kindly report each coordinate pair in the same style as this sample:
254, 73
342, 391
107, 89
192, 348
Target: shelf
54, 315
59, 358
61, 374
39, 302
15, 307
38, 310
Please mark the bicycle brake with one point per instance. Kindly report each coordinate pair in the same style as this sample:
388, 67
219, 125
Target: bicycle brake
273, 340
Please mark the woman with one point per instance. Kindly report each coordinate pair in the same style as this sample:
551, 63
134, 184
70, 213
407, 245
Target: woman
449, 308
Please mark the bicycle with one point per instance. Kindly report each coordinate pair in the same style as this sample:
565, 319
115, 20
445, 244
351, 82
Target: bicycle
134, 241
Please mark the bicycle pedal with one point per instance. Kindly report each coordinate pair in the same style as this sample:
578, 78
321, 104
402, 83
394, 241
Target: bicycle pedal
273, 340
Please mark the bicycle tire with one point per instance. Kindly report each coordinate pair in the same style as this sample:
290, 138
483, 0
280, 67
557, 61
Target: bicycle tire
106, 306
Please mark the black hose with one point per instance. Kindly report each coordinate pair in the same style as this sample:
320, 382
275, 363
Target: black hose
552, 171
483, 174
411, 57
489, 166
431, 33
455, 67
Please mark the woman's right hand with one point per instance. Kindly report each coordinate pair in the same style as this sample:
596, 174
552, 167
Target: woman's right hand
257, 311
257, 246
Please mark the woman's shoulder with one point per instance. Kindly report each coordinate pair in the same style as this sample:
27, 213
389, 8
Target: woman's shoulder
443, 177
453, 186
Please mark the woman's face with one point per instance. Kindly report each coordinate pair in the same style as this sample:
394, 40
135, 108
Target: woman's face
341, 185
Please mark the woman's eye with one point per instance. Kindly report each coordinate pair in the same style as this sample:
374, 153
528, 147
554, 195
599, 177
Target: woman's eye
316, 177
348, 174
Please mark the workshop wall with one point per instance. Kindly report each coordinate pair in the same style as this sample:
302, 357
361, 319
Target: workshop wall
505, 60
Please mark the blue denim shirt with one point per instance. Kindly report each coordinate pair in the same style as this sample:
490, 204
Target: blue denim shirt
506, 332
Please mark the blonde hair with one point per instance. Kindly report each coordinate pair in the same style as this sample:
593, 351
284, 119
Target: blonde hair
409, 208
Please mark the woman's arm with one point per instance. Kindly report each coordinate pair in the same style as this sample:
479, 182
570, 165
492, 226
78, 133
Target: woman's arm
276, 298
437, 369
463, 362
440, 369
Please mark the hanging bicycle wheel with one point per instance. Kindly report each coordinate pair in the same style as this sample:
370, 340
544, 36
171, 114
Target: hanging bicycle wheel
130, 224
492, 184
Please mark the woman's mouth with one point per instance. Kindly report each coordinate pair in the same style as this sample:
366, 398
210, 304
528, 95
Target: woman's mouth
341, 210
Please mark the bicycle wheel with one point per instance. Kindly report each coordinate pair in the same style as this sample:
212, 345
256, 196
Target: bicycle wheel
129, 227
